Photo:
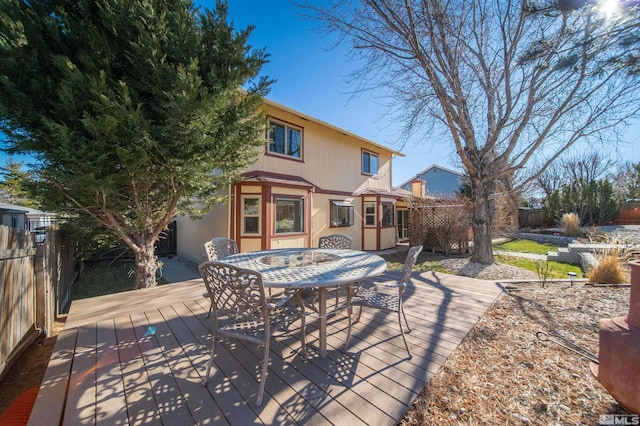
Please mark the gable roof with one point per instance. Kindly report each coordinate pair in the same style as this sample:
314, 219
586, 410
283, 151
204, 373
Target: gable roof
331, 126
12, 208
428, 169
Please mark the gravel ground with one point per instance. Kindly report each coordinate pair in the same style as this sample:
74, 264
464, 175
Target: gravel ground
628, 234
496, 271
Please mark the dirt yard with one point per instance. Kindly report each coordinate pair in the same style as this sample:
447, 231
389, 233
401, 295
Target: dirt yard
502, 374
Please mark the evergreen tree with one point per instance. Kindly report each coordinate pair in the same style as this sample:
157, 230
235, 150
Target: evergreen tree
14, 184
595, 202
135, 109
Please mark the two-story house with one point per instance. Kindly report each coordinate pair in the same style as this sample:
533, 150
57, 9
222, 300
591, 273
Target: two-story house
312, 179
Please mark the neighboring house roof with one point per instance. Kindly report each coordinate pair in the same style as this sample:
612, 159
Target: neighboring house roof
331, 126
12, 208
428, 169
404, 193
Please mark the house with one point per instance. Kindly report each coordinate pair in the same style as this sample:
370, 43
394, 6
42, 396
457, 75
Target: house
439, 182
24, 217
312, 179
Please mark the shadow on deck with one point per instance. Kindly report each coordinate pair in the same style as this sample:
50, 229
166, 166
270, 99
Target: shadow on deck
139, 357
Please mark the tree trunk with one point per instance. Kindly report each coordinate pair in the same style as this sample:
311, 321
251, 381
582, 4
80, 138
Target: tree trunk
482, 222
146, 266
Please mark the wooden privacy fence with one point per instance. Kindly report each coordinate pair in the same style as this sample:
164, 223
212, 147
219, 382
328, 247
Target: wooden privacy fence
443, 228
531, 218
17, 290
35, 284
629, 214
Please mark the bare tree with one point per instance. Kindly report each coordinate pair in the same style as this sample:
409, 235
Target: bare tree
583, 167
513, 82
551, 179
588, 166
626, 182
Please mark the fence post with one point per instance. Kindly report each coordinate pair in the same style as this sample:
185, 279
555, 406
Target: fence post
41, 291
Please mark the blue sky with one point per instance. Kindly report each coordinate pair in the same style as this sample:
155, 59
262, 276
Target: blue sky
312, 75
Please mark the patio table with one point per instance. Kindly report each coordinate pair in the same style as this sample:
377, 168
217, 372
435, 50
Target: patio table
311, 268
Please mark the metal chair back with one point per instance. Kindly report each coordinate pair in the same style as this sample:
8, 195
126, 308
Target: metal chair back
220, 247
335, 241
409, 263
235, 293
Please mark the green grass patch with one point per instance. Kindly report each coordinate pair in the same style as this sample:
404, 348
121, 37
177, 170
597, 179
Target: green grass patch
525, 246
395, 262
556, 269
98, 280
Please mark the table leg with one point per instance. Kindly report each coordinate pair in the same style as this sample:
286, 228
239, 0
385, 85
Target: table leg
322, 311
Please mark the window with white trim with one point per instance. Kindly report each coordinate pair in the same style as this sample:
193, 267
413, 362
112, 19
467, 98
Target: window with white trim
289, 215
370, 214
285, 140
250, 215
341, 213
369, 163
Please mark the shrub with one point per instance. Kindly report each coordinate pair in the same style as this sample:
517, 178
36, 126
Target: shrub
594, 201
543, 269
607, 271
571, 223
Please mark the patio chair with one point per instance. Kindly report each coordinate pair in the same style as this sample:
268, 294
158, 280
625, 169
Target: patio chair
220, 247
217, 249
333, 241
370, 298
241, 311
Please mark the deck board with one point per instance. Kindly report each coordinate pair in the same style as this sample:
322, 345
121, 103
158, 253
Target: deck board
109, 386
140, 358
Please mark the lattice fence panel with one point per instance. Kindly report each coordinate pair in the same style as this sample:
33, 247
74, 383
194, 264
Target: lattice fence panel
442, 228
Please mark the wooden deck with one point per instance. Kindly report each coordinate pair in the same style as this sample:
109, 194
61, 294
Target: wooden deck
139, 358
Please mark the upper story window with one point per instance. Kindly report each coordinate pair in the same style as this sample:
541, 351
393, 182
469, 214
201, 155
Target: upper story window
369, 163
341, 213
285, 140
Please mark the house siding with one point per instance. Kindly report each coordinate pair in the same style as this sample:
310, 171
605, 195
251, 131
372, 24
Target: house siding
193, 233
321, 218
331, 160
329, 169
